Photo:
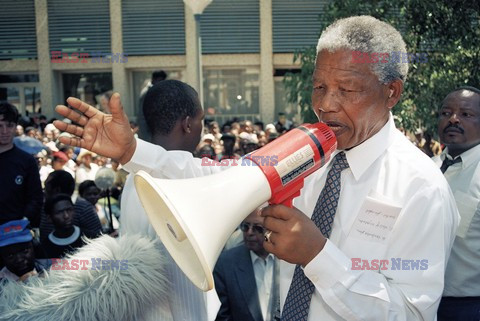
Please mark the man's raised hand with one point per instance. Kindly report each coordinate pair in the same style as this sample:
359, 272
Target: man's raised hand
105, 134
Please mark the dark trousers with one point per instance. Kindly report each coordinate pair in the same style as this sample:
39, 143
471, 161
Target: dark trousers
459, 309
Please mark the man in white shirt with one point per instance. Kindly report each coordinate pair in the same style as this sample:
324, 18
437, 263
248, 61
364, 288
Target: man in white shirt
459, 130
87, 168
394, 205
174, 116
244, 277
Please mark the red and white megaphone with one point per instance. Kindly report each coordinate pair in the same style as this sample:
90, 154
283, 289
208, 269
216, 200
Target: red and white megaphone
195, 217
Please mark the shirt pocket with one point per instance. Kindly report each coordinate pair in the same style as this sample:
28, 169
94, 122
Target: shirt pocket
467, 206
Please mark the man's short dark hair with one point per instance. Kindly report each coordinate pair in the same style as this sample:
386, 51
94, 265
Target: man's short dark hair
65, 148
61, 181
158, 75
84, 186
52, 200
9, 112
168, 102
469, 88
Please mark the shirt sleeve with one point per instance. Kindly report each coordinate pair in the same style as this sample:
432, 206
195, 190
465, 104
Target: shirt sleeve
80, 175
158, 162
87, 218
424, 231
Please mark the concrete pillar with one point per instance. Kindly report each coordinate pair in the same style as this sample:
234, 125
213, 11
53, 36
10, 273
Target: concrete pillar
119, 72
49, 94
267, 94
191, 68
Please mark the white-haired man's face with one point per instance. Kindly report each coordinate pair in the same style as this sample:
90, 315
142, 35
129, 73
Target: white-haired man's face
349, 98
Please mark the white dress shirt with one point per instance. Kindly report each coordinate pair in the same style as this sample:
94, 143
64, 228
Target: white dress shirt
84, 173
386, 167
185, 301
263, 270
462, 277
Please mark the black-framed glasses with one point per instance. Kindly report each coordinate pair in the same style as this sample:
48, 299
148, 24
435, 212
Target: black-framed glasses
256, 228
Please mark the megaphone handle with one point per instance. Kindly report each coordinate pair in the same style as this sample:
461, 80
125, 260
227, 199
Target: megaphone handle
289, 201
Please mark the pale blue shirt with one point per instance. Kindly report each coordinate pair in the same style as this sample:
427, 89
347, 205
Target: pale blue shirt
462, 277
264, 270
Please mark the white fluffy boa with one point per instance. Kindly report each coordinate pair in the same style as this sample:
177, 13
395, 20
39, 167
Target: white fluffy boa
113, 293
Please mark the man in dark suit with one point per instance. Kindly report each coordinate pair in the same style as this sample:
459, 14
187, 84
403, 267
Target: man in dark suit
245, 277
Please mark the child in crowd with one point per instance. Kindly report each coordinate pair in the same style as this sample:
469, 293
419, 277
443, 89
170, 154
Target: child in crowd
17, 252
66, 236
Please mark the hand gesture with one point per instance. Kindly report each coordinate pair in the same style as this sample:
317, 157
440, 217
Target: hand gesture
294, 238
107, 135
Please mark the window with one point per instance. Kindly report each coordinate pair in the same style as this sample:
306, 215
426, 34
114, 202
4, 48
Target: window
142, 78
22, 91
282, 105
89, 87
231, 93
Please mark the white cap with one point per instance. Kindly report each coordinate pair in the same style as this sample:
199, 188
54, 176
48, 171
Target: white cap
208, 136
271, 128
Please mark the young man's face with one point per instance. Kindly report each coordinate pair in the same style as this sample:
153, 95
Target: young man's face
87, 159
18, 258
91, 194
62, 216
58, 164
7, 131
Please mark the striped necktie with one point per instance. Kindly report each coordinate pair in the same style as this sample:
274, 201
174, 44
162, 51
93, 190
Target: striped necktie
297, 303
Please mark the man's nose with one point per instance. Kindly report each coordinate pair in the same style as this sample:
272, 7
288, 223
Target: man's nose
328, 103
20, 258
454, 119
66, 214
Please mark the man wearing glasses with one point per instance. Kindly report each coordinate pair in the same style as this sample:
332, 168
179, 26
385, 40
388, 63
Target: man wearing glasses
244, 277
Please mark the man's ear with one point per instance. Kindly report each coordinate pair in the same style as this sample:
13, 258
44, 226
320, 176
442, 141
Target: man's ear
394, 92
186, 125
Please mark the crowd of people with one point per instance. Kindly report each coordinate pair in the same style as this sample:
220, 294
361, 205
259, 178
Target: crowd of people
294, 263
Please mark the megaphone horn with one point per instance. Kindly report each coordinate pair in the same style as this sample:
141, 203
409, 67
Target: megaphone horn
195, 217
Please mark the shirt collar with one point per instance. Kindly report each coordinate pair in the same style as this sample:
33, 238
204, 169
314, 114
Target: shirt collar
469, 157
67, 240
255, 257
6, 274
361, 157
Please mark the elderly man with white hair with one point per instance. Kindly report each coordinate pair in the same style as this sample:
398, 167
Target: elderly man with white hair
371, 232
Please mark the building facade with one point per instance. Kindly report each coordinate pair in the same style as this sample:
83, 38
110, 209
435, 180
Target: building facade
53, 49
